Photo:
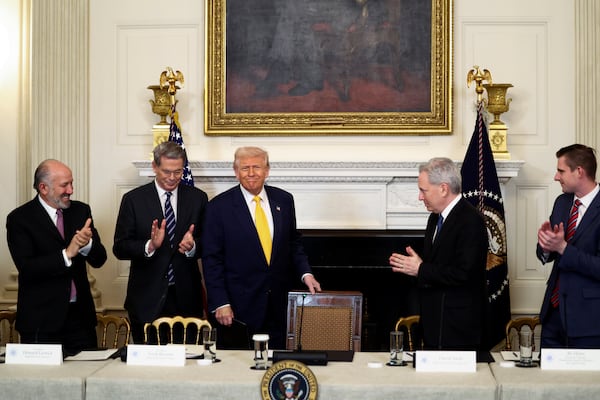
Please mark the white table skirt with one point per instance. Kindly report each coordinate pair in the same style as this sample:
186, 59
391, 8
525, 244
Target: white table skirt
232, 378
64, 382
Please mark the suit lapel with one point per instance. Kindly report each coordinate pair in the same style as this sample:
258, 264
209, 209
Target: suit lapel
242, 215
182, 213
275, 206
589, 220
45, 221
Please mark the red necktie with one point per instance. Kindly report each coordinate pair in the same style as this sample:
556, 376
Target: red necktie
60, 225
571, 227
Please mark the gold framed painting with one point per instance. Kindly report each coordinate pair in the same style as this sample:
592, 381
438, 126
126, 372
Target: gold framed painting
335, 67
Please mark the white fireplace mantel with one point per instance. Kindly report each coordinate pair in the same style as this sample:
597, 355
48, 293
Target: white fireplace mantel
339, 195
326, 170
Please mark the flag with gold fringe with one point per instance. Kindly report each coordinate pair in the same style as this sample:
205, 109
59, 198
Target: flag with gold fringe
175, 136
480, 186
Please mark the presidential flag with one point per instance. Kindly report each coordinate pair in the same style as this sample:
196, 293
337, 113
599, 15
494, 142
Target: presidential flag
480, 186
175, 136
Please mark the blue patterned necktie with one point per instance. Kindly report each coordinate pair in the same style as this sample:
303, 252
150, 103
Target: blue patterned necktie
170, 217
438, 229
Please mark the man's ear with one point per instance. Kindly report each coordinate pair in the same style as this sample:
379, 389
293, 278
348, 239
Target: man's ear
445, 189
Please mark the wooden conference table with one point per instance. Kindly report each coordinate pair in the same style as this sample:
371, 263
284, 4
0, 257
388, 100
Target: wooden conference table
232, 378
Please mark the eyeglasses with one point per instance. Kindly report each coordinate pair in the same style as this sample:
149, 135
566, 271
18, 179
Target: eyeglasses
176, 173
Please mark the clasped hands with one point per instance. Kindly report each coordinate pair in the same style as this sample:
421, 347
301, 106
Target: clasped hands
407, 264
81, 238
158, 233
552, 239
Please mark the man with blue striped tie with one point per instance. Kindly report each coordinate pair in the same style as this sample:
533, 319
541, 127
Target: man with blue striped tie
158, 229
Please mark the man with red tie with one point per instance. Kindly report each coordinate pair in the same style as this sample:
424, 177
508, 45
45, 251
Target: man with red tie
51, 238
571, 238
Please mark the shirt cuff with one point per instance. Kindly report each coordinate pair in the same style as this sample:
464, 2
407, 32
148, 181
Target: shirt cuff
146, 253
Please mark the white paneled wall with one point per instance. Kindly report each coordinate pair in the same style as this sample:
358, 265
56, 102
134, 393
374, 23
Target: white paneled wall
529, 44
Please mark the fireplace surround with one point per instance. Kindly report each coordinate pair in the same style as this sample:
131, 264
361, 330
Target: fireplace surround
352, 215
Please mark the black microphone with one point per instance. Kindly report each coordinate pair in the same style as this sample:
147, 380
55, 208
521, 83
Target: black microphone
441, 322
565, 316
306, 357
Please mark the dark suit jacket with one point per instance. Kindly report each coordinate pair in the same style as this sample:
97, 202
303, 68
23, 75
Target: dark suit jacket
579, 266
44, 280
235, 268
147, 286
451, 280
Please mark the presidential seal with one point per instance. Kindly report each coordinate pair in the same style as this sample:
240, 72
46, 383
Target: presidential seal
289, 379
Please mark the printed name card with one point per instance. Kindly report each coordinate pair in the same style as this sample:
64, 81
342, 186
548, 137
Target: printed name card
445, 361
33, 354
570, 359
155, 355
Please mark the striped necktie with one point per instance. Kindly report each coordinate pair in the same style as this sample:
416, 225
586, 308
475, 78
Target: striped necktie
262, 227
170, 217
571, 228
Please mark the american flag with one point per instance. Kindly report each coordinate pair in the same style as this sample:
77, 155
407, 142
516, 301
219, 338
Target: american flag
480, 186
175, 136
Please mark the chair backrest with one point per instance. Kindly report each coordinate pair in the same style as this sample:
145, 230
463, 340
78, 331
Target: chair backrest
8, 333
164, 335
112, 330
324, 321
517, 324
409, 325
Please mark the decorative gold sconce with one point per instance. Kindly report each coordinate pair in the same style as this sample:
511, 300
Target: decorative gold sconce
161, 105
496, 104
164, 98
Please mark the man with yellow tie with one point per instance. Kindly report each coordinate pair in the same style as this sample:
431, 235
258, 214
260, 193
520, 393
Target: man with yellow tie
252, 252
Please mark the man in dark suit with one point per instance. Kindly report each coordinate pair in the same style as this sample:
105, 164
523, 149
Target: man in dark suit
164, 277
571, 238
243, 280
451, 274
50, 239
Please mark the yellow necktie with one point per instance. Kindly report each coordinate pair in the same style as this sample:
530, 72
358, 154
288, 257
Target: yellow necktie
262, 226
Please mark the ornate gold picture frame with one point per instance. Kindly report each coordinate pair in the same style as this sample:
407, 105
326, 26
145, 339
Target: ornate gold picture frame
335, 67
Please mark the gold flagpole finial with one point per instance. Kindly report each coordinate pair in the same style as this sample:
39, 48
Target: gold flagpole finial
478, 76
170, 78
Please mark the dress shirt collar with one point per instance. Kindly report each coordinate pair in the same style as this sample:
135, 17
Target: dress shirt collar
588, 198
162, 195
249, 197
49, 209
450, 206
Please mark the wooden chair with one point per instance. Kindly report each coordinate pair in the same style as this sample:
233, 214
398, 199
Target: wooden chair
8, 333
329, 320
409, 325
165, 336
112, 327
517, 324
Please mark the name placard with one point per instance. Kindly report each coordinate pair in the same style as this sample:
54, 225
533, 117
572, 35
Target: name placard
155, 355
570, 359
445, 361
33, 354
